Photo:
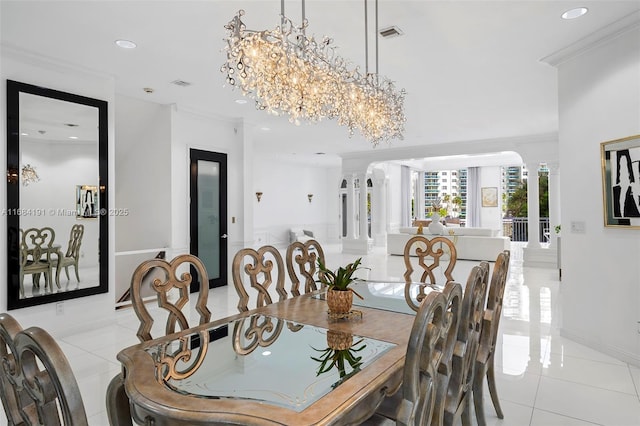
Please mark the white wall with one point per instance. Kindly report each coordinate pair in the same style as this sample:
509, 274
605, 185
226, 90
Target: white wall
284, 204
599, 100
142, 156
91, 311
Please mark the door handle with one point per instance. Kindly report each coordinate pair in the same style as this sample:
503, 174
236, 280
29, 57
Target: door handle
225, 236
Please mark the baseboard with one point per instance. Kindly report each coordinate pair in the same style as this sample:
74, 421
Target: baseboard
619, 353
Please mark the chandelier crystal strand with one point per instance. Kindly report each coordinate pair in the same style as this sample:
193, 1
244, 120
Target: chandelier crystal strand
286, 72
29, 175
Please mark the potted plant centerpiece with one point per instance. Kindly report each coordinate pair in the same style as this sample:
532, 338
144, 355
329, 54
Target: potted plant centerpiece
339, 294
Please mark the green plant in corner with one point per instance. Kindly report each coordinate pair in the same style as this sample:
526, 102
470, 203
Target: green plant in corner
557, 228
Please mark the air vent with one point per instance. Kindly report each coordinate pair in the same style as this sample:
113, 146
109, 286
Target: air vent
391, 32
181, 83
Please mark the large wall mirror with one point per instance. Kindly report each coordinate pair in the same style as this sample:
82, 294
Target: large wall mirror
57, 211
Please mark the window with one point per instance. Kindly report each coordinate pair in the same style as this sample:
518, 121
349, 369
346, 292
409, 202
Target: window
444, 188
444, 180
444, 173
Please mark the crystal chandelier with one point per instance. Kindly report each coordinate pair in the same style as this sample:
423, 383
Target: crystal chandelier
29, 175
287, 72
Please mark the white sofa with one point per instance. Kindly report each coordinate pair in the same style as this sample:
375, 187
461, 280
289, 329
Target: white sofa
471, 243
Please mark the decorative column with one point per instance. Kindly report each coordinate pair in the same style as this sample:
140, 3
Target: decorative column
362, 208
554, 202
379, 209
533, 206
351, 217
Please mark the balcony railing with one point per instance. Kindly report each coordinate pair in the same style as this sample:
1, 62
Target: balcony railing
517, 228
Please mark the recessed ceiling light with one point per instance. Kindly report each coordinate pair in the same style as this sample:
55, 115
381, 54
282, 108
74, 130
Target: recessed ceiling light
574, 13
241, 101
266, 129
125, 44
73, 137
24, 134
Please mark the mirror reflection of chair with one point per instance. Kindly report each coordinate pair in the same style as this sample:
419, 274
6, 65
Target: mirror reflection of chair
36, 256
302, 263
37, 380
258, 267
488, 338
72, 255
427, 255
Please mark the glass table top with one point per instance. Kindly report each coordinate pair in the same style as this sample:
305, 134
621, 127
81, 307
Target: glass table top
387, 295
264, 358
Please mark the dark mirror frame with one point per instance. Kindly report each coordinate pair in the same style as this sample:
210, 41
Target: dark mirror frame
14, 88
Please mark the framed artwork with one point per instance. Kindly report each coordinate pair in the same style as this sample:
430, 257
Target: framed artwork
621, 182
489, 196
87, 201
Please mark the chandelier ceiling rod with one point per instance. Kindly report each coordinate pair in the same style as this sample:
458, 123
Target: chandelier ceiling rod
282, 16
366, 37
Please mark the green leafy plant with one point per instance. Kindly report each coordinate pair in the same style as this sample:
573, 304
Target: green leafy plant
557, 228
341, 278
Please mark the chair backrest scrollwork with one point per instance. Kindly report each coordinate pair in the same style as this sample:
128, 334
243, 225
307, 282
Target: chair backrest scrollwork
165, 283
75, 240
302, 261
258, 266
36, 245
430, 253
421, 362
467, 343
38, 385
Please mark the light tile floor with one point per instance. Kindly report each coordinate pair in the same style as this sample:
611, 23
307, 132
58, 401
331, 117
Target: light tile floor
543, 379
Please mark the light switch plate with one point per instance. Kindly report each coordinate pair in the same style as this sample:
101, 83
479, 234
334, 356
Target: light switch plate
578, 227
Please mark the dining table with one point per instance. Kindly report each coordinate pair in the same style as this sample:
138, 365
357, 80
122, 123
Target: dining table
286, 363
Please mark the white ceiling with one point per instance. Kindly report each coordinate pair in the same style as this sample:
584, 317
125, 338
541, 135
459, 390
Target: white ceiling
471, 69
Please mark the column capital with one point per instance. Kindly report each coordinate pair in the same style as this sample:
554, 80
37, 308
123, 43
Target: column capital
553, 167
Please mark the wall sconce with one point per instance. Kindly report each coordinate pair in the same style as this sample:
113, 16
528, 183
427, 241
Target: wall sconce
309, 196
258, 195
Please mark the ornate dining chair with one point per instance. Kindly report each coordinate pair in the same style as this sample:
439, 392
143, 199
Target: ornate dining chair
457, 403
443, 352
427, 254
488, 336
258, 267
302, 260
414, 402
170, 283
72, 255
38, 385
36, 256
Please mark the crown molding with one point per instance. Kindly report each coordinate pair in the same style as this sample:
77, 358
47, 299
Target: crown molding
595, 39
28, 57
